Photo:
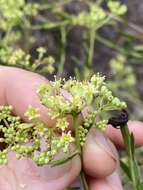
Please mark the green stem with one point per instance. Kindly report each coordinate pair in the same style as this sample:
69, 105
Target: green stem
76, 125
48, 25
6, 38
63, 51
129, 24
53, 5
6, 123
134, 172
91, 47
79, 149
84, 181
115, 47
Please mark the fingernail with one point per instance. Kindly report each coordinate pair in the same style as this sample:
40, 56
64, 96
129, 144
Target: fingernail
104, 143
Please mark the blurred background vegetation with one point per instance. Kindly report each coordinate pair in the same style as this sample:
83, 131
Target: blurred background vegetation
78, 38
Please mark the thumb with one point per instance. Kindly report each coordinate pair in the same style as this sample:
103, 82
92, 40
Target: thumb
99, 155
112, 182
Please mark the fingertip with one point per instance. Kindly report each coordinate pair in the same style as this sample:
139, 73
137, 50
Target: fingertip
20, 92
136, 127
111, 182
99, 184
97, 152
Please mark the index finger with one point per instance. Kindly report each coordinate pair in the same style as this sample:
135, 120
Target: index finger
18, 88
136, 127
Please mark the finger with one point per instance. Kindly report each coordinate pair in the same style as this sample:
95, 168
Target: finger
99, 155
136, 127
112, 182
7, 179
19, 90
24, 174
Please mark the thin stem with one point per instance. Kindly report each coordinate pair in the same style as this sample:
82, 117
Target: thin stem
6, 123
48, 25
91, 46
76, 125
63, 51
121, 50
78, 146
129, 24
53, 5
84, 181
6, 38
135, 176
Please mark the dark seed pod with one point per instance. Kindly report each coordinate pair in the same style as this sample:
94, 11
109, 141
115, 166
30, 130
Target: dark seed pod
120, 120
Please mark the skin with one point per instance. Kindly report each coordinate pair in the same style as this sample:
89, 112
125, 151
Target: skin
100, 157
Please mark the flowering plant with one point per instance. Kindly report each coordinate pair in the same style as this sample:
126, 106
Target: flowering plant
90, 99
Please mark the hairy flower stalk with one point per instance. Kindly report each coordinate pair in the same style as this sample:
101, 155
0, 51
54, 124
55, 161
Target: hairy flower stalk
62, 98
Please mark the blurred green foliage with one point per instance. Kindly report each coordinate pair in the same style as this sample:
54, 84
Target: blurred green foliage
21, 21
22, 24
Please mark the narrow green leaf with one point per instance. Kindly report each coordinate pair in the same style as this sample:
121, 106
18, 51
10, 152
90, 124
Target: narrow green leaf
63, 160
125, 168
25, 125
138, 47
132, 144
128, 35
126, 136
140, 186
136, 170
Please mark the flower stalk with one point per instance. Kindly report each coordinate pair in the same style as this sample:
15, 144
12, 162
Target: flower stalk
79, 148
132, 162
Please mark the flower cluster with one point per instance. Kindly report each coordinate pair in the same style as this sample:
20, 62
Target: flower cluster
71, 97
118, 66
32, 113
34, 140
82, 134
41, 143
3, 157
117, 8
20, 58
12, 12
94, 18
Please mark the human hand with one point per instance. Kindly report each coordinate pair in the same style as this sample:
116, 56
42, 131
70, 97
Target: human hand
100, 158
